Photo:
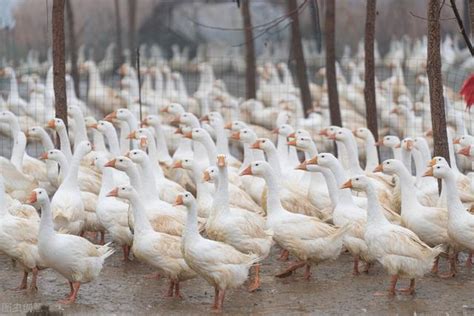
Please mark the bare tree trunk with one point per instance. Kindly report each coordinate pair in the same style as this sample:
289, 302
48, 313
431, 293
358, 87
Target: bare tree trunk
316, 23
299, 57
59, 65
369, 88
250, 83
438, 118
471, 16
466, 19
118, 40
132, 10
73, 47
330, 30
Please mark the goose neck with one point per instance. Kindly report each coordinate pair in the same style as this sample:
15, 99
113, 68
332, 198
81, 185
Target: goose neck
141, 222
46, 141
344, 195
148, 180
112, 139
272, 157
455, 206
353, 156
273, 193
124, 141
408, 190
98, 140
65, 145
222, 143
46, 222
372, 155
162, 147
374, 212
191, 230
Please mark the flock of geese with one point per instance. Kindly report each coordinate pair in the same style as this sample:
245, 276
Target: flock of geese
204, 185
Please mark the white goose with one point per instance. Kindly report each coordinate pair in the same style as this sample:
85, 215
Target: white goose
74, 257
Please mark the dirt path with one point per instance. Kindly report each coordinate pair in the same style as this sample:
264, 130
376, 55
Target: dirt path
122, 289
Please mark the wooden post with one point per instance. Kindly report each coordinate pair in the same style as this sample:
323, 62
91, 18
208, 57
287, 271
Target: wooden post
465, 17
250, 68
369, 88
59, 65
438, 117
118, 60
316, 23
330, 32
73, 47
132, 10
297, 50
471, 16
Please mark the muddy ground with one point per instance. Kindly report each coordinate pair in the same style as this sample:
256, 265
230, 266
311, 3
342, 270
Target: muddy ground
123, 289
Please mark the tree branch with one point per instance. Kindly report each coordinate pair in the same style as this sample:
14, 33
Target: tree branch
461, 27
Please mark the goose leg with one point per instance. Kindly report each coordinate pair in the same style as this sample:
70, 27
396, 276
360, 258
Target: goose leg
126, 252
368, 265
33, 286
307, 272
102, 238
72, 298
216, 297
71, 290
452, 264
155, 276
284, 254
355, 270
170, 289
177, 293
435, 268
256, 281
409, 290
391, 289
290, 269
24, 282
220, 301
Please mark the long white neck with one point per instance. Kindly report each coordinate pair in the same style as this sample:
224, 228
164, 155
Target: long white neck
353, 156
331, 184
148, 180
406, 159
374, 211
45, 140
372, 158
155, 161
455, 206
18, 151
63, 167
141, 222
272, 157
210, 149
13, 85
94, 78
408, 190
134, 177
64, 143
420, 165
222, 194
98, 139
162, 147
282, 150
202, 188
344, 195
112, 139
222, 143
191, 230
273, 194
80, 132
124, 141
46, 228
70, 181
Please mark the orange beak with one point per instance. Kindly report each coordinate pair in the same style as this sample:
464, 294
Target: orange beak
206, 176
457, 140
143, 142
323, 132
204, 118
235, 135
247, 171
292, 135
127, 154
145, 122
302, 166
114, 192
110, 117
379, 143
44, 156
429, 172
465, 151
132, 135
176, 120
410, 144
347, 185
32, 198
429, 133
111, 163
397, 146
179, 200
432, 162
188, 135
332, 137
178, 131
228, 125
276, 131
379, 168
178, 164
312, 161
164, 110
394, 111
51, 124
94, 126
221, 161
255, 145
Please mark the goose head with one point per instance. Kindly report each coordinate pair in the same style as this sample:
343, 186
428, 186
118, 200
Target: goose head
39, 196
362, 132
235, 126
357, 183
137, 156
90, 122
438, 160
121, 163
284, 130
83, 148
342, 134
124, 192
464, 140
73, 110
326, 160
390, 166
120, 114
198, 134
35, 132
330, 130
188, 119
151, 120
53, 154
186, 199
173, 108
390, 141
99, 161
302, 143
407, 144
257, 168
299, 132
467, 151
439, 171
245, 135
56, 124
263, 144
7, 117
210, 174
186, 163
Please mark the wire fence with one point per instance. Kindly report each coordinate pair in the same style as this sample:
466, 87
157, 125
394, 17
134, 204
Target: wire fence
218, 83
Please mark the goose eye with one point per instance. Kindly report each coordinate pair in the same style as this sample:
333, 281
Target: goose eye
388, 162
134, 153
256, 165
322, 156
121, 160
263, 141
437, 167
357, 179
123, 189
